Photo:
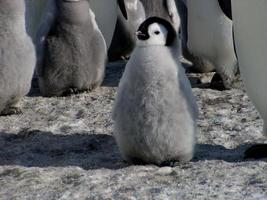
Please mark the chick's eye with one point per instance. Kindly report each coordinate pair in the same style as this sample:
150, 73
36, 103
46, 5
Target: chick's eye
157, 32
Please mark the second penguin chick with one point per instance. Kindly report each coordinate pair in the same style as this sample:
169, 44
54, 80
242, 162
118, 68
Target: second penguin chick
155, 112
75, 51
17, 56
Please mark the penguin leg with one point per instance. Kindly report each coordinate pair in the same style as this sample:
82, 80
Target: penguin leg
170, 164
135, 161
73, 91
94, 86
223, 82
227, 81
70, 91
12, 108
202, 65
173, 163
11, 111
228, 71
217, 83
257, 151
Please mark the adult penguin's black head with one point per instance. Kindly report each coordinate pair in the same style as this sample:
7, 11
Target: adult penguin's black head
156, 31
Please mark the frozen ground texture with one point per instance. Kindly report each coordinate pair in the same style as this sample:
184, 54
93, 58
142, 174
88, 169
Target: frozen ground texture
62, 148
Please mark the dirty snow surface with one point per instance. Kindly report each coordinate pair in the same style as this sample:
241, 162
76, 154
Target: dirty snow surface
62, 148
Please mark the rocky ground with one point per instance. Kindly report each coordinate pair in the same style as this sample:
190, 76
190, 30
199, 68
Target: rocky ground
62, 148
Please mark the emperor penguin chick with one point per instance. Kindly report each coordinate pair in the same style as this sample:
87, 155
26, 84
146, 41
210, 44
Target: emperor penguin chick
155, 112
17, 56
75, 51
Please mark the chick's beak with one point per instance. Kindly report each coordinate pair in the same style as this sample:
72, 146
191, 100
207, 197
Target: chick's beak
140, 35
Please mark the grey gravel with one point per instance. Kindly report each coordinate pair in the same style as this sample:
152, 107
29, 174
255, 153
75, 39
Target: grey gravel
62, 148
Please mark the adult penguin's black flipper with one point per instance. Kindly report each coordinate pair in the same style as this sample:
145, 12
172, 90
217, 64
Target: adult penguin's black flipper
226, 7
123, 8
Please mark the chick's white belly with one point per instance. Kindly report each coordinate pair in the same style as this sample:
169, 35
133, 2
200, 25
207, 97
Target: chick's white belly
152, 116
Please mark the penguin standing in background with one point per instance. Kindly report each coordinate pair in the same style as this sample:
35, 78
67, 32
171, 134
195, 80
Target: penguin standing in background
157, 8
250, 33
17, 56
182, 9
199, 63
165, 9
155, 111
106, 12
75, 51
210, 36
123, 41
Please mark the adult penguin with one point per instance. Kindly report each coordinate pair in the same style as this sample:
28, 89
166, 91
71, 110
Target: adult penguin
210, 36
125, 30
199, 63
124, 40
250, 33
182, 9
106, 16
156, 8
165, 9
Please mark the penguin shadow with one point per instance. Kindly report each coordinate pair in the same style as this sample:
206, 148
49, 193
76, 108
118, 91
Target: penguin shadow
45, 149
219, 152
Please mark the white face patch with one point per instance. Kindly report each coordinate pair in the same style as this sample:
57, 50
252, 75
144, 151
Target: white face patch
157, 36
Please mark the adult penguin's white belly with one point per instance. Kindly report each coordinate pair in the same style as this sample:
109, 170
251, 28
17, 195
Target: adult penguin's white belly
106, 17
250, 33
210, 37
